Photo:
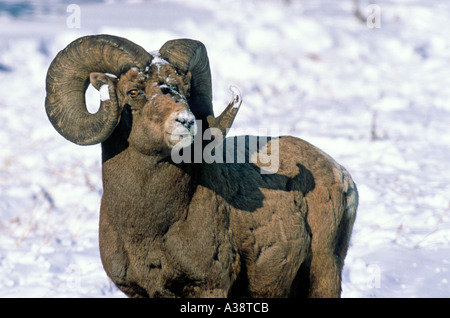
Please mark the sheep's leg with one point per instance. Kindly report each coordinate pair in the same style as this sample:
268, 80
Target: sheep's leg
330, 242
327, 264
325, 276
328, 259
113, 256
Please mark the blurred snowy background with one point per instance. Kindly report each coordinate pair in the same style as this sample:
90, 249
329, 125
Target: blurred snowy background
371, 88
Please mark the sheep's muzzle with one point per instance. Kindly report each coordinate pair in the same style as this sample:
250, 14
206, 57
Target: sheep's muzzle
180, 129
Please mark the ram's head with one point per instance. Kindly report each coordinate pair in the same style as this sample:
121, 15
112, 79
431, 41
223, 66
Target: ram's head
162, 93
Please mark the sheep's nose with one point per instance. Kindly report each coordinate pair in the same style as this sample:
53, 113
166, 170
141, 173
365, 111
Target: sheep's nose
186, 119
186, 123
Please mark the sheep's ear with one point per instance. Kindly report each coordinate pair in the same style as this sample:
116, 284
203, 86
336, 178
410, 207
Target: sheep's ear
99, 79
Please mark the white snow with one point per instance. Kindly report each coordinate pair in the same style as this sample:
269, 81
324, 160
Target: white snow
185, 116
375, 99
111, 75
157, 60
104, 92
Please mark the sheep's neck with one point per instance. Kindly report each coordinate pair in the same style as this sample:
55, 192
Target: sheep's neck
130, 176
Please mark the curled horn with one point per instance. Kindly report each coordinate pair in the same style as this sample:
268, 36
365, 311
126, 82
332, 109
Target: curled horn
68, 79
191, 56
226, 118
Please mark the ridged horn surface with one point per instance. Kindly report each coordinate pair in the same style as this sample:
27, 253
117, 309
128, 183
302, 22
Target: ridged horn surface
68, 79
190, 56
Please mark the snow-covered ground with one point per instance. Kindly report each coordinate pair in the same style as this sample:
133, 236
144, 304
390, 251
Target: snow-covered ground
374, 95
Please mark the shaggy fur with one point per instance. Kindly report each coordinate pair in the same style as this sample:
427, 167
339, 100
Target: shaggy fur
212, 229
252, 235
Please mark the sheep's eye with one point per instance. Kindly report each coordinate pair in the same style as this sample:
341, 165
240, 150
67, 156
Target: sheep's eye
133, 93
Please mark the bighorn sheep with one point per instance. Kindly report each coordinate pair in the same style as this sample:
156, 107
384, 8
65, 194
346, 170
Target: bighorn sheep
195, 228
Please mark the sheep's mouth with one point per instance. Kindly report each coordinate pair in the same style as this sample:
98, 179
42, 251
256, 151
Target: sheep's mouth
179, 139
180, 129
